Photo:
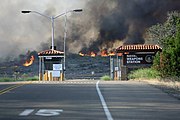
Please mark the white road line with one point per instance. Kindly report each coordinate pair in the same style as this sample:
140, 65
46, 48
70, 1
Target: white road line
26, 112
65, 82
103, 102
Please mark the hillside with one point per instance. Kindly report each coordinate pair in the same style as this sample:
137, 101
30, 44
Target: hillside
76, 67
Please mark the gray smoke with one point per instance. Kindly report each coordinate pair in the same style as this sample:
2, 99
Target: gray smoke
102, 24
21, 33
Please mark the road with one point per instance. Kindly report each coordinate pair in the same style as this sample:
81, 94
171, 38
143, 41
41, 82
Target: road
83, 100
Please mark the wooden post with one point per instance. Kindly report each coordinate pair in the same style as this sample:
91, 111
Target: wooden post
61, 76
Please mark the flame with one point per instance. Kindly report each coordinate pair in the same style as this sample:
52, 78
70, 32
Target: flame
81, 54
93, 54
111, 53
29, 62
119, 54
104, 53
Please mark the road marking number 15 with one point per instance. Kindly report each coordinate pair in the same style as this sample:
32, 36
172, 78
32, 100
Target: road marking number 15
41, 112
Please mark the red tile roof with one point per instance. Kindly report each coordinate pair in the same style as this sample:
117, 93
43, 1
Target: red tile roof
140, 47
50, 52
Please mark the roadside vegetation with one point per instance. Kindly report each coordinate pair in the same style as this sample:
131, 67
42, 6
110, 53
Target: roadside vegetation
6, 79
167, 36
35, 78
9, 79
165, 72
105, 78
166, 64
145, 73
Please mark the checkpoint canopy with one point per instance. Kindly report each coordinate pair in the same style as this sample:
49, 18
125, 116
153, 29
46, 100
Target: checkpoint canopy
51, 65
138, 55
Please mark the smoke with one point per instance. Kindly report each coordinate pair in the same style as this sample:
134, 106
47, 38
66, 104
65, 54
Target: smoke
23, 32
102, 24
121, 21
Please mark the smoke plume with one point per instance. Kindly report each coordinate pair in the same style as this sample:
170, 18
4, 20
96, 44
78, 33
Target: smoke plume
102, 24
111, 23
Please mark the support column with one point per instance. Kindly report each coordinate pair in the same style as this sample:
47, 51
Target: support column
112, 68
40, 69
119, 64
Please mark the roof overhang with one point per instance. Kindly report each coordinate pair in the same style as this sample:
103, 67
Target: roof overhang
52, 53
138, 48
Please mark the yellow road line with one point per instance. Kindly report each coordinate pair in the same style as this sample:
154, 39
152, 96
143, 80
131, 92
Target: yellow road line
11, 88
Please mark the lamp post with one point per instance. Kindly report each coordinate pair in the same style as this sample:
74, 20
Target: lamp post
52, 18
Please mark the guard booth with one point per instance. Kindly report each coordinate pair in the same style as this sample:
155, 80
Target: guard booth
115, 69
136, 56
51, 65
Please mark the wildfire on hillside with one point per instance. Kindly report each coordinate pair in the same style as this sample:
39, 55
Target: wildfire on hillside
102, 53
91, 54
111, 53
29, 62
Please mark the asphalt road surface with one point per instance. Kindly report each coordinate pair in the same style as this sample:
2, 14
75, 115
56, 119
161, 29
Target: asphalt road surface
86, 100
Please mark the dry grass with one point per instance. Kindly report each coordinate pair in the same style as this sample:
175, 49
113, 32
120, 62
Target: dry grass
170, 84
170, 87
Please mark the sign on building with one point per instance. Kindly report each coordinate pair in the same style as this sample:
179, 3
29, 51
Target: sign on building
138, 58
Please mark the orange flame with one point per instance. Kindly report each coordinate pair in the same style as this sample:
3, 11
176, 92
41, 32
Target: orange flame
93, 54
29, 62
81, 54
111, 53
119, 54
104, 53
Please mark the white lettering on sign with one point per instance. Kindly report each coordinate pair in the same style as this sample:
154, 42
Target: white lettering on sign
131, 55
134, 59
42, 112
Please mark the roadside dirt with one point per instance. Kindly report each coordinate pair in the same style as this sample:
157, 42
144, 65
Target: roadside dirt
170, 87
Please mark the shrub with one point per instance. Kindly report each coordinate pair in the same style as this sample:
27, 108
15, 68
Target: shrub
146, 73
106, 78
6, 79
32, 78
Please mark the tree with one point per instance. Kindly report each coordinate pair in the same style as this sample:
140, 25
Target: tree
168, 37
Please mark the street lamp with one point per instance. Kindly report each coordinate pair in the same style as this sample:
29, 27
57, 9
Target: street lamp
52, 18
